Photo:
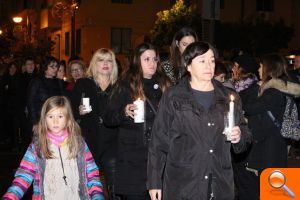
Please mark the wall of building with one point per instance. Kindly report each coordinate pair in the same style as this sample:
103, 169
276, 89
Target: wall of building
96, 20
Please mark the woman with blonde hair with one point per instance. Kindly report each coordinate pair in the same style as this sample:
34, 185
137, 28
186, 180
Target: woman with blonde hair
97, 86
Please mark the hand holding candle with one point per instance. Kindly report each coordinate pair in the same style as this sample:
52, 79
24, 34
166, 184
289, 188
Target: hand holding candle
140, 111
230, 119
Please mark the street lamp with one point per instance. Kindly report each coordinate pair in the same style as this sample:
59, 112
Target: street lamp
1, 32
17, 19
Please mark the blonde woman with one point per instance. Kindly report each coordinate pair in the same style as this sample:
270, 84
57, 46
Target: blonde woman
101, 75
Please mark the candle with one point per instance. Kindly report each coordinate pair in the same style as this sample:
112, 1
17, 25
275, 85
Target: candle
140, 111
231, 113
86, 103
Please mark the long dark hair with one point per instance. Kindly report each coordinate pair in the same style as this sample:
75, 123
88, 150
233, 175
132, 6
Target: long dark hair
135, 73
175, 55
274, 66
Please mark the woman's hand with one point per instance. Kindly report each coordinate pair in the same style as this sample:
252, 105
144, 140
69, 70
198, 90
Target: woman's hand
129, 110
82, 110
235, 135
155, 194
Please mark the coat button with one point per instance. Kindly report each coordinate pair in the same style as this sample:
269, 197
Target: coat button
211, 151
206, 177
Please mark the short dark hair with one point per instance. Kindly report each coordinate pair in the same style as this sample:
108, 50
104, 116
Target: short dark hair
46, 62
196, 49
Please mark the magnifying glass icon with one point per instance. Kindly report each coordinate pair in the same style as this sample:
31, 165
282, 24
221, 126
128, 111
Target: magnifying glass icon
277, 180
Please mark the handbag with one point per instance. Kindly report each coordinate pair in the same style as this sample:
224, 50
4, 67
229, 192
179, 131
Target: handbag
290, 125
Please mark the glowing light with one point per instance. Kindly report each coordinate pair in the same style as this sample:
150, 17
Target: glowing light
17, 19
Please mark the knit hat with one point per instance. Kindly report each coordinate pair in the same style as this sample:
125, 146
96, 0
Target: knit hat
247, 63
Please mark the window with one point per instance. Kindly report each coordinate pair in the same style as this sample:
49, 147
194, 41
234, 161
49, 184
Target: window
265, 5
122, 1
67, 43
78, 41
121, 40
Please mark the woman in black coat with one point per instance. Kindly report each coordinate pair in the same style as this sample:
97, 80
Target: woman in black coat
101, 76
189, 157
41, 88
269, 148
146, 82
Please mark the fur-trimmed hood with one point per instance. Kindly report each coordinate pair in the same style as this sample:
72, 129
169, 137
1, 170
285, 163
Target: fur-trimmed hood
285, 87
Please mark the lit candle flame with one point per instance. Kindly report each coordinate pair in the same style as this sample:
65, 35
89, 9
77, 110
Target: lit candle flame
231, 98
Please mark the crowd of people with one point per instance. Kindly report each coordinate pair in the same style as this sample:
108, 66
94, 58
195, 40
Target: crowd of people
203, 130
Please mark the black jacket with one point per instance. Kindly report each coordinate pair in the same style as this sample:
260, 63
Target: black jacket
100, 139
133, 138
12, 94
188, 154
269, 148
39, 90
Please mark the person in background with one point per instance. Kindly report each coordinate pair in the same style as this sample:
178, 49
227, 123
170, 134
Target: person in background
58, 161
189, 156
30, 72
173, 67
41, 88
97, 86
145, 81
13, 105
76, 71
222, 75
269, 148
246, 84
61, 72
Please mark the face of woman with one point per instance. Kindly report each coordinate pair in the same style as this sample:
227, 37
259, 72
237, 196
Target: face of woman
149, 62
52, 69
61, 72
12, 70
260, 70
104, 65
76, 71
220, 77
184, 42
235, 71
203, 66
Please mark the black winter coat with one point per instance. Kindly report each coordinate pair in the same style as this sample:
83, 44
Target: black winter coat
100, 139
189, 156
39, 90
269, 148
133, 138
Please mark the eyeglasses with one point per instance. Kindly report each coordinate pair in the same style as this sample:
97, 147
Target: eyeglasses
148, 59
76, 70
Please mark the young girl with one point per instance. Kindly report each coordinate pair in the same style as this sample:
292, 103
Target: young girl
58, 160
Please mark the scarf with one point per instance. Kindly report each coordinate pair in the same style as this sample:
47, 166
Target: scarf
245, 83
58, 139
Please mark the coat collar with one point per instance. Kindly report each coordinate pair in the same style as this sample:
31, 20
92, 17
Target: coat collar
287, 87
221, 93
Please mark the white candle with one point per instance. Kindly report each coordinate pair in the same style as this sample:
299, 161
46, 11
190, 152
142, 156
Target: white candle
86, 103
231, 113
139, 112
